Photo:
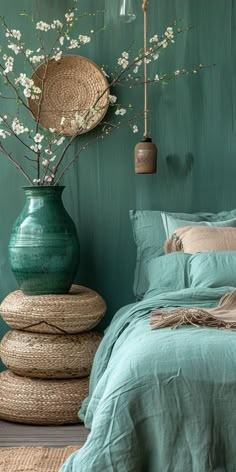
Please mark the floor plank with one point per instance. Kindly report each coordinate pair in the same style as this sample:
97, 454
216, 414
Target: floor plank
16, 435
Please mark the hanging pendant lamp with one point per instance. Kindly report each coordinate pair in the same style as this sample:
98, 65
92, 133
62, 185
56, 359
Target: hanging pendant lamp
145, 152
127, 11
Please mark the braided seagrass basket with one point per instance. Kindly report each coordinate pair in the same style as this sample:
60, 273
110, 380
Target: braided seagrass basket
79, 310
36, 401
49, 355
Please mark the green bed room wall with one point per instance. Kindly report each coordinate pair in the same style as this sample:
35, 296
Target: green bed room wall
192, 120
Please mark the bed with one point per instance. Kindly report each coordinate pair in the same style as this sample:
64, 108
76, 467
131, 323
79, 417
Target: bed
164, 400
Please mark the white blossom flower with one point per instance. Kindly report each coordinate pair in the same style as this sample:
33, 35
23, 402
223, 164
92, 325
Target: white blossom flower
28, 52
36, 90
35, 59
112, 99
59, 141
104, 72
13, 34
36, 181
57, 56
69, 17
42, 26
73, 44
45, 162
169, 32
120, 111
52, 158
125, 54
8, 64
4, 133
123, 62
79, 121
38, 138
18, 128
177, 72
93, 110
56, 24
62, 121
22, 79
15, 48
48, 151
36, 147
156, 78
135, 129
48, 178
155, 56
27, 93
164, 43
154, 39
135, 70
52, 130
84, 39
61, 40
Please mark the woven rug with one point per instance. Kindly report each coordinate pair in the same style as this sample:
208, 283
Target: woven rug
34, 459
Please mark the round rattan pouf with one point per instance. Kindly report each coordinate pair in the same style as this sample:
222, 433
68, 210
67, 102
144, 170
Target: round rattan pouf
80, 310
49, 355
36, 401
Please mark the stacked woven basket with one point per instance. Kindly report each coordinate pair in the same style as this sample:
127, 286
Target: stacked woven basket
48, 354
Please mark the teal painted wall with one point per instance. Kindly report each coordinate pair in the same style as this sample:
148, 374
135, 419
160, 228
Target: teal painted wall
192, 121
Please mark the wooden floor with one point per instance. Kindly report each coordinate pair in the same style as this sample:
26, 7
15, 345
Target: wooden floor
16, 435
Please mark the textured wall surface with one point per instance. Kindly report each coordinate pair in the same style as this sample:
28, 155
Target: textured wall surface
192, 122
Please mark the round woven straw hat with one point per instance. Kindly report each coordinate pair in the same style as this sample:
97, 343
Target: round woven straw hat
79, 310
75, 95
49, 355
36, 401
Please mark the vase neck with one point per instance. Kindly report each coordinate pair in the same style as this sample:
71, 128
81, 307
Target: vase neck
44, 191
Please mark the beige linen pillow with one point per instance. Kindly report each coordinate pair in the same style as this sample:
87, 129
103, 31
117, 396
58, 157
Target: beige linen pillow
192, 239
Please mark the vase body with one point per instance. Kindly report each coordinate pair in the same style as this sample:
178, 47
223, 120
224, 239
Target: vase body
44, 245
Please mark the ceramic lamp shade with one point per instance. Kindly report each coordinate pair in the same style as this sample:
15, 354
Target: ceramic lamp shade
145, 157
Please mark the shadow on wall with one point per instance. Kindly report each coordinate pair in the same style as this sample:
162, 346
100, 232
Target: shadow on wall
178, 166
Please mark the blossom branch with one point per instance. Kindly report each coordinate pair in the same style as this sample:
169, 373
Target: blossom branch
108, 130
16, 164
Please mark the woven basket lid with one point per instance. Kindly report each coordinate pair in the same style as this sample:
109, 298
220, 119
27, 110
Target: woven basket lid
71, 86
49, 355
79, 310
37, 401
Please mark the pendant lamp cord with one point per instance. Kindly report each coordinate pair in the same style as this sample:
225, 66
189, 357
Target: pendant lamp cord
144, 8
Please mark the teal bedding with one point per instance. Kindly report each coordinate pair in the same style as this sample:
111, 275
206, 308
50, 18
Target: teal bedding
161, 400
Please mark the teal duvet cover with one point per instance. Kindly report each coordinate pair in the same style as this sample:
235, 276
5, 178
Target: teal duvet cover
161, 400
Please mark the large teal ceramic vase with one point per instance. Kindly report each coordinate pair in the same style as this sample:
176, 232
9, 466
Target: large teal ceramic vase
44, 246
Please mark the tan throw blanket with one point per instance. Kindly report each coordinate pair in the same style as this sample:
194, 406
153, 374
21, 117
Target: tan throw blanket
223, 316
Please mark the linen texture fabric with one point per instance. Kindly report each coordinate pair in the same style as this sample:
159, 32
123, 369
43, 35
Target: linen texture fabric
149, 236
192, 239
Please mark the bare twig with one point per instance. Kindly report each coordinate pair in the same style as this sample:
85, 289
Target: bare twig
8, 155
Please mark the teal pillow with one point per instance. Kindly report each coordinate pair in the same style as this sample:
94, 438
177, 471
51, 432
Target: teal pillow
167, 273
149, 236
171, 224
213, 269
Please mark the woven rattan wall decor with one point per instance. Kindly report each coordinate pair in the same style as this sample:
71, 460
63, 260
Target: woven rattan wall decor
72, 87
